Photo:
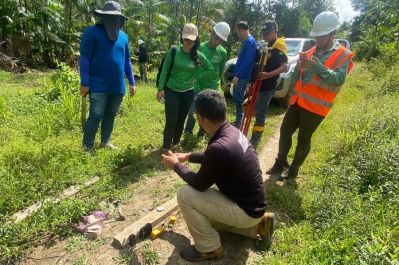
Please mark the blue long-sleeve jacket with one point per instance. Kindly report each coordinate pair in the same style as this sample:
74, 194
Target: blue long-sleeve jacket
245, 59
103, 63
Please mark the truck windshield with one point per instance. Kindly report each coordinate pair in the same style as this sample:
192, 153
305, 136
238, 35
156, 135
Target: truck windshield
293, 47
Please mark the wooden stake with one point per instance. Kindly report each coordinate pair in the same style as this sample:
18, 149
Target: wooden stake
21, 215
153, 218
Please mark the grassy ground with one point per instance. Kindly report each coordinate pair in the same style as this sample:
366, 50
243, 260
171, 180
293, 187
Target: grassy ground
40, 154
344, 209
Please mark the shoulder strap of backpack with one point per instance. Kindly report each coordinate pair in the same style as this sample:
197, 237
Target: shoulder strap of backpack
173, 48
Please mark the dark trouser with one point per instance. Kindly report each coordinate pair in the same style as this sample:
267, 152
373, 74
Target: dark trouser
307, 122
143, 71
262, 107
191, 120
103, 108
177, 105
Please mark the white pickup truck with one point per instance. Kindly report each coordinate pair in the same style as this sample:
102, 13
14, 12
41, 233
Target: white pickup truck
294, 45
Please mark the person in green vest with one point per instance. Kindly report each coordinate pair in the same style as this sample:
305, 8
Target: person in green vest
177, 88
217, 55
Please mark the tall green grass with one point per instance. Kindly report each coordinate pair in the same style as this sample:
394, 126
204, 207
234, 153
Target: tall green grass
349, 186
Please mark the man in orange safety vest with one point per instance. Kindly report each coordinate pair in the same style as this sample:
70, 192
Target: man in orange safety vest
318, 76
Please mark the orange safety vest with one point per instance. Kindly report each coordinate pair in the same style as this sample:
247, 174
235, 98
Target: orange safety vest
317, 96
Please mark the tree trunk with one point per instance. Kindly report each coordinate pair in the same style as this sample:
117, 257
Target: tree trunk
199, 13
191, 10
26, 24
69, 27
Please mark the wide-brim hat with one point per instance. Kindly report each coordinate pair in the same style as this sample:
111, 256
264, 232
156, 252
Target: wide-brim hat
110, 8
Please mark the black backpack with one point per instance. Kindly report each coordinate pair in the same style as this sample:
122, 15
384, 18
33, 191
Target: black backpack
258, 54
174, 48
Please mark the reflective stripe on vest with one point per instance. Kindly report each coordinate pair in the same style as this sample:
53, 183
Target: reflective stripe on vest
313, 99
340, 59
321, 84
317, 96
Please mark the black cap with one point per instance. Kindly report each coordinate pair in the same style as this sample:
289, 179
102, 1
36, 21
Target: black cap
269, 26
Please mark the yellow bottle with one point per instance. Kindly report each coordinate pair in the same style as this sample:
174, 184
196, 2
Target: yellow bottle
157, 232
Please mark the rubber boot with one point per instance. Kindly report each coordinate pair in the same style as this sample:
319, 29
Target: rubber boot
255, 138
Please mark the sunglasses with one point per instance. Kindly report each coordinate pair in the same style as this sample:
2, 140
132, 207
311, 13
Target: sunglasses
217, 38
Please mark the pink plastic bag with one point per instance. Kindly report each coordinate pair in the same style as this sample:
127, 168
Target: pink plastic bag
93, 224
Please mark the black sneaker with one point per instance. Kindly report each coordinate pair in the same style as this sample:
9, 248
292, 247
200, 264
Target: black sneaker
278, 167
289, 173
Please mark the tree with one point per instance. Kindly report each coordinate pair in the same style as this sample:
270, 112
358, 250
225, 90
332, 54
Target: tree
44, 32
376, 28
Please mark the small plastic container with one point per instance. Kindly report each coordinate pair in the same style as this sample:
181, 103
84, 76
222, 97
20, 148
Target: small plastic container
172, 220
157, 232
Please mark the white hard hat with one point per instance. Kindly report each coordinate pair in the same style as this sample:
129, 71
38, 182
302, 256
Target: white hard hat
325, 23
222, 29
140, 41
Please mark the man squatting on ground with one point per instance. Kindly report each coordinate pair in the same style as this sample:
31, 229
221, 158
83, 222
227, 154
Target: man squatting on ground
230, 162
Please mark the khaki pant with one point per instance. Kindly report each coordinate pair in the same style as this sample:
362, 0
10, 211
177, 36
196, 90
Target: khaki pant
209, 211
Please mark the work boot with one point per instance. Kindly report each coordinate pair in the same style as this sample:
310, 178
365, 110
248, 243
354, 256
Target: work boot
265, 231
193, 255
108, 146
278, 167
255, 138
289, 173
